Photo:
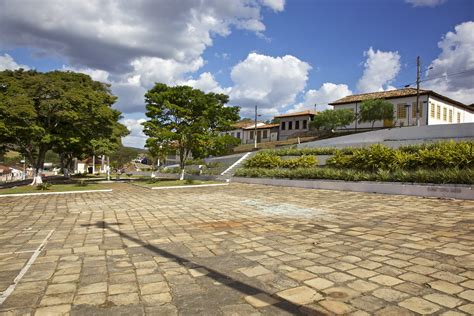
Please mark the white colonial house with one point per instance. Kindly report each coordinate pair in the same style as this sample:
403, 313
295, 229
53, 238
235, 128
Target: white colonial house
434, 108
238, 128
263, 133
294, 123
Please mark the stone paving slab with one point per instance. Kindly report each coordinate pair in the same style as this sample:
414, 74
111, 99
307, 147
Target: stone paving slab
238, 250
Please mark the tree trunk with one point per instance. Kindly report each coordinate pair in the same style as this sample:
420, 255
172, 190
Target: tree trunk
93, 164
39, 165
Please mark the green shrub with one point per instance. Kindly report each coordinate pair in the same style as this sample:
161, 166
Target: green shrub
43, 186
306, 151
300, 162
214, 164
82, 183
429, 156
452, 175
190, 162
264, 160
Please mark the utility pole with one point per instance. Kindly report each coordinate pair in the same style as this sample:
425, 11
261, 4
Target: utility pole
255, 129
418, 69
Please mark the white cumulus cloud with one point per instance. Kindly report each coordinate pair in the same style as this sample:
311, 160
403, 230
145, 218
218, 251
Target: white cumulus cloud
136, 138
454, 66
269, 82
380, 69
327, 93
8, 63
425, 3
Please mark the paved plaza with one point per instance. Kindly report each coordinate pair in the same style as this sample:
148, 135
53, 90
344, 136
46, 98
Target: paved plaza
235, 250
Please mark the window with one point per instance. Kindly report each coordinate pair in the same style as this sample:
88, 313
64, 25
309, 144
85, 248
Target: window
438, 112
459, 117
305, 124
445, 114
432, 110
420, 109
283, 126
265, 134
450, 116
232, 134
290, 125
251, 134
238, 134
401, 111
297, 125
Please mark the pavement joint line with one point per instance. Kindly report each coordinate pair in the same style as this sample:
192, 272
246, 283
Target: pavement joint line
49, 193
15, 252
189, 186
11, 288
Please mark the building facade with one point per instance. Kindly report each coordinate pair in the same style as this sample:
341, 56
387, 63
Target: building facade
263, 133
433, 109
294, 123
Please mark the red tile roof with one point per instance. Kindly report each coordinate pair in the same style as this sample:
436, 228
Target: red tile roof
307, 112
392, 94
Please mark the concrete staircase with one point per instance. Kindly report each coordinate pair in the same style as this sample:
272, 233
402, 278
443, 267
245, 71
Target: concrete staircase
229, 172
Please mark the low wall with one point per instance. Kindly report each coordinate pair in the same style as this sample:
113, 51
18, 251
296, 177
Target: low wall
400, 136
463, 192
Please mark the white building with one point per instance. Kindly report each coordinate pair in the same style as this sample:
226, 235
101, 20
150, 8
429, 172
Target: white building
434, 108
294, 123
238, 130
263, 132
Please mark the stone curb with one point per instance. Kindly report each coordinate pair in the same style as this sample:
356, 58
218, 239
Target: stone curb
49, 193
456, 191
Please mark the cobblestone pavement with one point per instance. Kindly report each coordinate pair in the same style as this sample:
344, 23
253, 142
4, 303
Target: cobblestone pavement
237, 250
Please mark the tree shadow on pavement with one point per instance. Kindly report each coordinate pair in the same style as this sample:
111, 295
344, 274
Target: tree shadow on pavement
240, 286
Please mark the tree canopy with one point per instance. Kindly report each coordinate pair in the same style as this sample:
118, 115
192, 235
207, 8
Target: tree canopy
329, 120
375, 110
64, 111
186, 119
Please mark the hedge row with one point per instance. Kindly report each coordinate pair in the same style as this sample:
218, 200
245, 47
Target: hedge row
444, 176
434, 156
267, 160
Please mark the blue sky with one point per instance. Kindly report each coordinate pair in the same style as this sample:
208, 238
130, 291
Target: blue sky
280, 55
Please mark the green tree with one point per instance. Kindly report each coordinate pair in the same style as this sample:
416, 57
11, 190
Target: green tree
62, 111
330, 120
375, 110
185, 117
124, 155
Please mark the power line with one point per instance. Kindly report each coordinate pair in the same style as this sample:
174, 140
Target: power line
443, 76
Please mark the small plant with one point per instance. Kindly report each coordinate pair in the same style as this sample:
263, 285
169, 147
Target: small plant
82, 183
129, 174
189, 181
43, 186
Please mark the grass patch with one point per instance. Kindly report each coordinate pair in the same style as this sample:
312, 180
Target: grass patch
52, 188
172, 183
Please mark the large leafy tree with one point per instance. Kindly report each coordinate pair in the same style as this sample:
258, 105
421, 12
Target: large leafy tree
330, 120
186, 118
375, 110
63, 111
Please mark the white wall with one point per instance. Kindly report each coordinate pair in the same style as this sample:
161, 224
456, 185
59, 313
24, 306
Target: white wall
440, 107
395, 137
409, 119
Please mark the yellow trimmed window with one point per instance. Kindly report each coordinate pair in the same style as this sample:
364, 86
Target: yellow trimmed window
432, 110
450, 116
459, 117
420, 109
438, 112
401, 111
445, 114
